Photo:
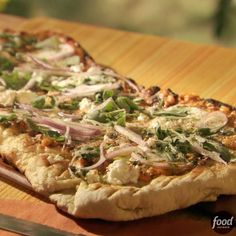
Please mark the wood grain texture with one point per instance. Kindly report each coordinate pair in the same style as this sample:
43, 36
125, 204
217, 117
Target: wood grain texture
185, 67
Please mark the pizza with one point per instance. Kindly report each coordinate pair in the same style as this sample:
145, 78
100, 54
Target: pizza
99, 145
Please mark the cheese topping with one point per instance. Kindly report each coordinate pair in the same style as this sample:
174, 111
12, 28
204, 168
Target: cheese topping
92, 176
50, 54
7, 97
86, 105
188, 122
120, 172
25, 97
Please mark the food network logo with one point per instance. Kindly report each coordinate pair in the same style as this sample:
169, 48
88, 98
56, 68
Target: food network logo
222, 222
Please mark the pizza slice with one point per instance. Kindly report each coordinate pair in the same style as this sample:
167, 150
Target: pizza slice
100, 146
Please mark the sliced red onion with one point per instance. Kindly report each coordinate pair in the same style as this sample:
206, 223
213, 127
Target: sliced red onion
65, 50
58, 71
132, 85
40, 62
67, 136
213, 120
69, 116
28, 108
30, 84
178, 166
101, 160
139, 158
121, 151
112, 73
14, 176
89, 90
130, 135
211, 154
76, 131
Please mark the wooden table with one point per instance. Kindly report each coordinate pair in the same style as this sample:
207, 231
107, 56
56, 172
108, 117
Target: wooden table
209, 71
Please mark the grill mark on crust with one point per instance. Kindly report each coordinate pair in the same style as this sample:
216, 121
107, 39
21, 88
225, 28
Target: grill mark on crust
109, 196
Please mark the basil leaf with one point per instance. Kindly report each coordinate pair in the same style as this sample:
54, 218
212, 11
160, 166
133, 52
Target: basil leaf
110, 106
107, 94
7, 118
48, 86
15, 81
117, 116
88, 152
5, 64
54, 135
219, 148
44, 102
127, 104
204, 131
183, 147
69, 105
45, 131
161, 134
176, 112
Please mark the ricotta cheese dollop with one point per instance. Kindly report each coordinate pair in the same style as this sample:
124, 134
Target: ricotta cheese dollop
121, 172
7, 97
86, 105
25, 97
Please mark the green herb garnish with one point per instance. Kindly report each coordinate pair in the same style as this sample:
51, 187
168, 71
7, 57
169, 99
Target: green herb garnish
44, 102
7, 118
219, 148
5, 64
14, 80
127, 104
69, 105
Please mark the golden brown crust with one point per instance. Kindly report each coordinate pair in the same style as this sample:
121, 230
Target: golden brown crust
37, 163
163, 194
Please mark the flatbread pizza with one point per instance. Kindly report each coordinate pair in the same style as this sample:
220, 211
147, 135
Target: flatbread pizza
100, 146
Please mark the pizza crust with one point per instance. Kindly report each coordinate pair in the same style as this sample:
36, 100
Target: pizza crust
30, 158
163, 194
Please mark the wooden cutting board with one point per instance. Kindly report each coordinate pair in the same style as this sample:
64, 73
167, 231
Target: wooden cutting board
209, 71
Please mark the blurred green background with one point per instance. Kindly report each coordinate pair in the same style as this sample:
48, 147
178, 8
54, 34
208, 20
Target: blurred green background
204, 21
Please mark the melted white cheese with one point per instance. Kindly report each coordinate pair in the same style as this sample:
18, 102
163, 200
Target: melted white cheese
120, 172
25, 97
92, 176
188, 122
52, 54
86, 105
52, 159
142, 117
7, 97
